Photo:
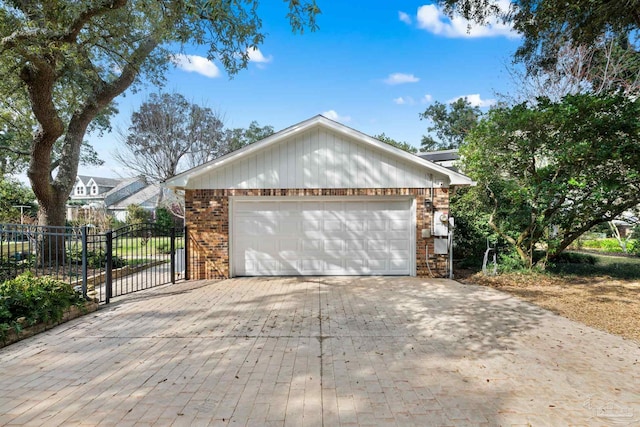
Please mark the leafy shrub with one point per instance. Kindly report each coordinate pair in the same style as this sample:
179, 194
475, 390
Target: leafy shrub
27, 300
575, 258
95, 259
98, 259
509, 261
604, 245
165, 221
136, 214
633, 247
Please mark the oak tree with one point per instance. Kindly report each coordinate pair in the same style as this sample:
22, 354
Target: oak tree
554, 170
77, 57
451, 124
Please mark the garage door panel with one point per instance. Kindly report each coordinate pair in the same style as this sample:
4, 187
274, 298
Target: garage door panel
399, 225
311, 225
376, 225
332, 225
322, 238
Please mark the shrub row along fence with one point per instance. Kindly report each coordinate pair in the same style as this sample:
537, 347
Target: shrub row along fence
100, 264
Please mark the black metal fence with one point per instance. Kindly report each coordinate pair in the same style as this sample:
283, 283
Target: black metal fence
101, 264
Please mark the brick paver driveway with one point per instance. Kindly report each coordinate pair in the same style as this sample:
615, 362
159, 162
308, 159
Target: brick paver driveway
321, 351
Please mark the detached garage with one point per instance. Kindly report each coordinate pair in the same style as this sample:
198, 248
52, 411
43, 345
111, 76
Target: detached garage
317, 198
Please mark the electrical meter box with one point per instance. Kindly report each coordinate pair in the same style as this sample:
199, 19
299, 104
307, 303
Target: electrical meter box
440, 223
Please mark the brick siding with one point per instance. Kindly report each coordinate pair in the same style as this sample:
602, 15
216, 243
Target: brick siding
207, 219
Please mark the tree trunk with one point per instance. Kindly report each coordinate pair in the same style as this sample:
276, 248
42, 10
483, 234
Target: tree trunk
52, 216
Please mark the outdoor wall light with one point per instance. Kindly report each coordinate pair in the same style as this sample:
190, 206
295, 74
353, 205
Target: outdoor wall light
428, 204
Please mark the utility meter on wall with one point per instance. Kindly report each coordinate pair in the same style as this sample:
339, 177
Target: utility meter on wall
441, 223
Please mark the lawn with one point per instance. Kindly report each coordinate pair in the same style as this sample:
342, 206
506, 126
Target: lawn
124, 247
138, 246
605, 296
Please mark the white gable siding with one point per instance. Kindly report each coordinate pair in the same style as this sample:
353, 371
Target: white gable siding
317, 158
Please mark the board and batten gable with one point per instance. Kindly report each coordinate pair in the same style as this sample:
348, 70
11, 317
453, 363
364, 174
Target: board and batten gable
318, 158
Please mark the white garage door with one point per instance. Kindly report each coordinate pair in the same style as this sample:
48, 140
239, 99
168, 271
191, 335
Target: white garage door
311, 237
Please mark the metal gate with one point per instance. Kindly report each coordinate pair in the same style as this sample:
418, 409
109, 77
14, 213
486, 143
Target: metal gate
141, 256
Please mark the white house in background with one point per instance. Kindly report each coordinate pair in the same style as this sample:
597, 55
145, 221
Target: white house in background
113, 195
88, 188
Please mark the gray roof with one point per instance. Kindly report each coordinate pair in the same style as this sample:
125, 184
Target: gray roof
102, 182
151, 195
124, 189
440, 156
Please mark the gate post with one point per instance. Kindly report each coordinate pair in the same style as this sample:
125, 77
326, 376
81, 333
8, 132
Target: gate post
84, 261
108, 266
187, 257
173, 255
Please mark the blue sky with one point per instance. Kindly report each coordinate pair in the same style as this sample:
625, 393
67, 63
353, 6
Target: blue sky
372, 65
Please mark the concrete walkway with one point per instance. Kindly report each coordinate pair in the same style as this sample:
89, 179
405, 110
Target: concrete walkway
321, 352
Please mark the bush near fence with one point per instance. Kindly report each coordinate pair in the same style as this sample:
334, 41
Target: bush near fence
28, 300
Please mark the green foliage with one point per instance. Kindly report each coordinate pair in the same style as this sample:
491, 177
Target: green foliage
570, 165
27, 300
14, 193
165, 221
469, 208
509, 261
136, 214
235, 139
64, 62
450, 124
547, 25
608, 245
95, 258
401, 145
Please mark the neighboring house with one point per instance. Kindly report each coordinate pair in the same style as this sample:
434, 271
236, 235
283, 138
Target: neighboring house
113, 196
446, 158
148, 197
317, 198
89, 188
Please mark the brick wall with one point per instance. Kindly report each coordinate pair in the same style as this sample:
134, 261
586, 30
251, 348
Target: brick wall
207, 219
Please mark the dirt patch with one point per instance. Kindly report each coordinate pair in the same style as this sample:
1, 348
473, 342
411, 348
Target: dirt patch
609, 304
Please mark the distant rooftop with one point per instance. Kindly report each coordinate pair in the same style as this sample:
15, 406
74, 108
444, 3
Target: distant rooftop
441, 155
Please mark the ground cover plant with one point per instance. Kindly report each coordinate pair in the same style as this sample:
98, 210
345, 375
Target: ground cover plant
27, 300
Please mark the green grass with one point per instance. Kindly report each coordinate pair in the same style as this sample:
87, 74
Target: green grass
610, 245
9, 248
134, 246
614, 266
125, 246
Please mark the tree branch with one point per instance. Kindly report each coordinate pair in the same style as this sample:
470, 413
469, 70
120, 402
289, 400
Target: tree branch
14, 151
101, 9
103, 94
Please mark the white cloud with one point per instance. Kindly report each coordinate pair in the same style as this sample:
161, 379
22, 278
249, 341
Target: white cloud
196, 64
400, 78
432, 18
427, 98
404, 100
475, 100
333, 115
404, 17
256, 56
